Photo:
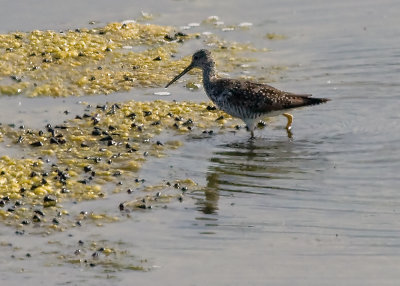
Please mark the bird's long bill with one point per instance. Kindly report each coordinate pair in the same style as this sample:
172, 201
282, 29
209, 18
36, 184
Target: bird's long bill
179, 75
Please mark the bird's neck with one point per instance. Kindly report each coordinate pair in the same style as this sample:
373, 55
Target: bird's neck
209, 73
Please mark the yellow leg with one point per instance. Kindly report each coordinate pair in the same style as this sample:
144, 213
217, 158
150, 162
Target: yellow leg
289, 120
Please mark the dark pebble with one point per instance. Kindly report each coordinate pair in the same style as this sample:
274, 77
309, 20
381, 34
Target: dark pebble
107, 138
131, 115
37, 144
88, 168
188, 122
39, 212
142, 206
96, 132
36, 218
54, 141
49, 201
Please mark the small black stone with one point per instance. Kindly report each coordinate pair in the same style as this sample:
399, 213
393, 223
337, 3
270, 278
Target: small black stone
131, 115
36, 218
107, 138
37, 144
54, 141
88, 168
39, 212
96, 132
49, 201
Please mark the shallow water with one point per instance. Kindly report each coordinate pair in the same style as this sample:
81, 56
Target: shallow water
318, 208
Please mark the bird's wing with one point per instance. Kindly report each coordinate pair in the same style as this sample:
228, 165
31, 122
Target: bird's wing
259, 97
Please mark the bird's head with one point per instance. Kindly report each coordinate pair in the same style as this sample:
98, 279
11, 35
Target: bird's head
200, 59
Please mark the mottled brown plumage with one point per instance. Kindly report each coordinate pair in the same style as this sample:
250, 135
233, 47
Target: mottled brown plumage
246, 100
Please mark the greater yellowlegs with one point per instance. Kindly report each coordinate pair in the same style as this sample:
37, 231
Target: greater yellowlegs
244, 99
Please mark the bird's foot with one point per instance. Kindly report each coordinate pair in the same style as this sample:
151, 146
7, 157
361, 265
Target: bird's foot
252, 137
289, 134
289, 121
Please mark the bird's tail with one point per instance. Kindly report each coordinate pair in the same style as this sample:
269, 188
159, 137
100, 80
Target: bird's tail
315, 100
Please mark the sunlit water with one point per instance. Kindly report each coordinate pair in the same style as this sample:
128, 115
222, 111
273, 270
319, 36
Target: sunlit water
320, 208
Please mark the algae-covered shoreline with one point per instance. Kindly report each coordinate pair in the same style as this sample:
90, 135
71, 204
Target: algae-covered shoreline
103, 60
98, 153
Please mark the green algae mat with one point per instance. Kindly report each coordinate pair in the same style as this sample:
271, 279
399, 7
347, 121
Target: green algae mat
116, 57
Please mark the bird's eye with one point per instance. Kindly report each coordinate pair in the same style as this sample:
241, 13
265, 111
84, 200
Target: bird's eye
196, 57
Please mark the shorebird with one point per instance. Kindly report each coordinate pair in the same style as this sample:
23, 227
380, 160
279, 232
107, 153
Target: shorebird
249, 101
